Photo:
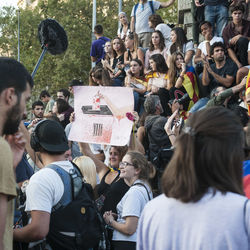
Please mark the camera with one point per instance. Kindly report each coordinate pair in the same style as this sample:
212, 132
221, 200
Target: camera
185, 98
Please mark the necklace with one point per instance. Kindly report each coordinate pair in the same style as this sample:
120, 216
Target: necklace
112, 169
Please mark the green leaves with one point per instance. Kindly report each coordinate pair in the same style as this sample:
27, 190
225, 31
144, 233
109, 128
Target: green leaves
76, 18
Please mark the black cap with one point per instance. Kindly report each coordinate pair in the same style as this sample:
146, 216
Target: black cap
51, 136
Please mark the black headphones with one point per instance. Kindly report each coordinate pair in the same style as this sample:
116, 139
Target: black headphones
34, 140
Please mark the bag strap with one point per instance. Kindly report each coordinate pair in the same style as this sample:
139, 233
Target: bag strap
245, 221
151, 6
141, 184
135, 9
69, 180
121, 28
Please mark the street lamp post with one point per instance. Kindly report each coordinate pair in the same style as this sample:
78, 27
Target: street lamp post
119, 10
18, 36
93, 25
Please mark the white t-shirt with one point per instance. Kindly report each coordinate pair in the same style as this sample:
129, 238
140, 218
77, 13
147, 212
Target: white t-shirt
121, 33
46, 188
186, 47
131, 204
166, 31
213, 223
202, 45
142, 14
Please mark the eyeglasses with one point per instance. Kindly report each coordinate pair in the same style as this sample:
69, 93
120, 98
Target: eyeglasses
124, 164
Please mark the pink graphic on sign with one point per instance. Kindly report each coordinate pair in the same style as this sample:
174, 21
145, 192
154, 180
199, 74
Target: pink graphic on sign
96, 102
100, 115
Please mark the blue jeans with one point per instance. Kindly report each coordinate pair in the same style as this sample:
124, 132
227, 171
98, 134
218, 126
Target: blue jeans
201, 104
217, 15
138, 102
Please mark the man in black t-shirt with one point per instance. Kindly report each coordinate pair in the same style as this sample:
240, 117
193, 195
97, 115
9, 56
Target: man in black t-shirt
222, 72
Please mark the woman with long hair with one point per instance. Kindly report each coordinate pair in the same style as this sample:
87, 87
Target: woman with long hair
63, 111
87, 168
156, 46
203, 205
136, 172
119, 49
181, 44
135, 79
101, 77
155, 21
133, 52
182, 80
108, 53
124, 28
158, 80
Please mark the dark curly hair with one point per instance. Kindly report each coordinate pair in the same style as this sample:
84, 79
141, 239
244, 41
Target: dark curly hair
161, 43
122, 48
155, 20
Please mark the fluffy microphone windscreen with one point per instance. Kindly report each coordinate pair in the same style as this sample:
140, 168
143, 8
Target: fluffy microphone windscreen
52, 35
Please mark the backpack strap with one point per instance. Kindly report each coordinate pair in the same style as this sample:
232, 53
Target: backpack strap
136, 7
141, 184
121, 27
69, 180
245, 219
151, 6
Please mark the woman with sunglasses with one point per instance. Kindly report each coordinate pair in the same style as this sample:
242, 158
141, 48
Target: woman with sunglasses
136, 172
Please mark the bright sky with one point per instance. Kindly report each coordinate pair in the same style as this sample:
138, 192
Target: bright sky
8, 3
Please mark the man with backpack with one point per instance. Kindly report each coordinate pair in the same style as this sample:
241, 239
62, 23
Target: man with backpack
57, 200
139, 19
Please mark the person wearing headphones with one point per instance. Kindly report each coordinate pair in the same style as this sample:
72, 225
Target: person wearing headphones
45, 187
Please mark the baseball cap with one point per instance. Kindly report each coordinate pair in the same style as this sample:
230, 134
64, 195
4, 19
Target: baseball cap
51, 136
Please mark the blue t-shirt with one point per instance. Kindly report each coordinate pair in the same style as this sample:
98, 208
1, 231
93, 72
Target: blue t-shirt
23, 170
97, 48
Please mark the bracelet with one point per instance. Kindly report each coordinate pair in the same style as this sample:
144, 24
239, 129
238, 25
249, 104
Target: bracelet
206, 41
181, 77
171, 134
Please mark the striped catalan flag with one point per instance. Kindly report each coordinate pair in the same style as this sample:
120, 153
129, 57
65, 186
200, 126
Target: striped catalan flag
191, 86
248, 90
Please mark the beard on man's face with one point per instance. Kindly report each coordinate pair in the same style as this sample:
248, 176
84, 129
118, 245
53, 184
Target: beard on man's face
14, 118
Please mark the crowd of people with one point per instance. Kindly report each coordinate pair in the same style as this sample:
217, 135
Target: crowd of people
183, 179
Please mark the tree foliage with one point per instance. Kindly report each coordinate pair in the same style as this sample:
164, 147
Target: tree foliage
76, 18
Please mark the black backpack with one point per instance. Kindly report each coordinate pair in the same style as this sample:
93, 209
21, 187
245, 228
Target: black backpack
75, 222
